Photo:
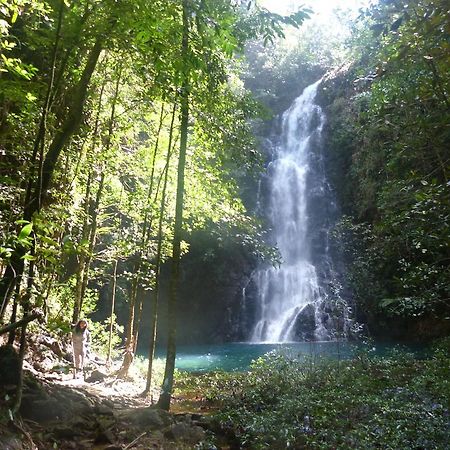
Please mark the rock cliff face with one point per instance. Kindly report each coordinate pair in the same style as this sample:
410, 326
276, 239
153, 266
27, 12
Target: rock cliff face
213, 276
211, 293
305, 324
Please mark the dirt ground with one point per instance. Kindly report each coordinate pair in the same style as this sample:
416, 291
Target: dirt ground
97, 411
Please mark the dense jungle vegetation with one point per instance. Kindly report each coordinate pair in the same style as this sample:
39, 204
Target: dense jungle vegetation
129, 144
389, 159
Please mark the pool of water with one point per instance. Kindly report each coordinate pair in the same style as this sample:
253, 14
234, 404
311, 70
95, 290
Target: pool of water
238, 356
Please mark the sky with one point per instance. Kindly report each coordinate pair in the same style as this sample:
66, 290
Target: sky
322, 8
323, 16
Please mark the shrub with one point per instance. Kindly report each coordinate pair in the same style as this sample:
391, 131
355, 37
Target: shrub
393, 402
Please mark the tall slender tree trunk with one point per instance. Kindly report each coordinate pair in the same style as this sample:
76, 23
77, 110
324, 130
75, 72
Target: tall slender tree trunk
111, 317
39, 142
81, 257
78, 34
14, 271
92, 240
146, 231
69, 127
11, 278
155, 296
137, 322
12, 334
129, 345
114, 288
19, 388
50, 280
26, 306
147, 226
85, 232
167, 386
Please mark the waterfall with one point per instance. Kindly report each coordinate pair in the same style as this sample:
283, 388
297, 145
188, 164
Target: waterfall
290, 302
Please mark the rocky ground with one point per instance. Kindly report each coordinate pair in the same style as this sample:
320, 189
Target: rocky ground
95, 412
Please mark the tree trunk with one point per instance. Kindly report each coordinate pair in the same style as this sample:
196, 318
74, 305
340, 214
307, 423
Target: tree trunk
137, 322
19, 388
12, 333
147, 226
11, 278
155, 296
26, 306
12, 326
51, 279
39, 142
111, 318
92, 239
82, 257
78, 33
71, 124
129, 345
167, 386
147, 222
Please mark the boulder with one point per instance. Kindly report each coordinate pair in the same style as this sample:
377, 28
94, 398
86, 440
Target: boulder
9, 365
52, 344
104, 436
96, 376
42, 410
182, 431
305, 323
66, 432
76, 403
148, 417
104, 409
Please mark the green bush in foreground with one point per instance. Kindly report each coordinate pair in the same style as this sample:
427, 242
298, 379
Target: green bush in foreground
369, 402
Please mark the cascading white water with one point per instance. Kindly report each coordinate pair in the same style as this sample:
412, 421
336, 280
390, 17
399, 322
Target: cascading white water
284, 292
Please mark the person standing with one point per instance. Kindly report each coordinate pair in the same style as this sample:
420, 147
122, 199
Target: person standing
80, 343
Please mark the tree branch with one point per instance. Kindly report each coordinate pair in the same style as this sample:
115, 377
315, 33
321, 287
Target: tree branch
13, 326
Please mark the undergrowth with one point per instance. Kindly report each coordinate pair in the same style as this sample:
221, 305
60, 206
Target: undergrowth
368, 402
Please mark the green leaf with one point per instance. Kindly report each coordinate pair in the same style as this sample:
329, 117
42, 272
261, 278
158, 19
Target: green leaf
25, 231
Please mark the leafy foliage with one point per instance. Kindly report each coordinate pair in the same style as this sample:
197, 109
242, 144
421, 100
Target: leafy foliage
367, 402
388, 134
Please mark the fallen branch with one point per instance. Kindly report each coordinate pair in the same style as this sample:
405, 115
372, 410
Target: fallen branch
134, 442
13, 326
